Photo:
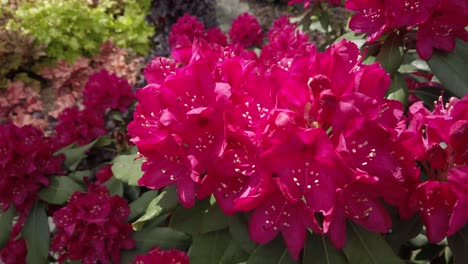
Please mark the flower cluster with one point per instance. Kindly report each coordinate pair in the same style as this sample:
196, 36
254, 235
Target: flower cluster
157, 255
187, 28
438, 22
26, 159
105, 91
102, 92
441, 147
304, 141
92, 227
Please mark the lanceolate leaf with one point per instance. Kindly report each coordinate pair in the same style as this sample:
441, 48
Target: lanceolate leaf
6, 224
365, 247
75, 154
318, 249
450, 68
274, 252
209, 248
391, 53
189, 220
213, 219
37, 235
398, 89
128, 169
163, 203
59, 189
239, 229
139, 206
458, 243
234, 254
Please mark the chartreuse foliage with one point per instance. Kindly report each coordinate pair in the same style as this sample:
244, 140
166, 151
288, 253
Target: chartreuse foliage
72, 28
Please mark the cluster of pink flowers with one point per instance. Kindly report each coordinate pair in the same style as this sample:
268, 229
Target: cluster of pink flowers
438, 22
92, 227
439, 140
157, 255
103, 92
26, 159
306, 142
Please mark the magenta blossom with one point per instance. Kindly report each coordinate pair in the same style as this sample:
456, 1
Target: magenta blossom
92, 227
26, 158
246, 31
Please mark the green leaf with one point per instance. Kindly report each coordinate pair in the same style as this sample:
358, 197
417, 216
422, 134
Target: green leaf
318, 249
114, 186
234, 254
139, 206
6, 224
458, 243
163, 203
239, 229
398, 89
128, 169
59, 190
450, 68
189, 220
402, 231
37, 235
364, 247
272, 253
209, 248
391, 53
213, 219
80, 175
75, 154
358, 39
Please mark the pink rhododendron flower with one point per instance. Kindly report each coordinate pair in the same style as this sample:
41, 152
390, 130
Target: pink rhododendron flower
15, 251
92, 227
26, 158
105, 91
188, 26
440, 140
302, 138
438, 23
440, 31
157, 255
246, 31
80, 126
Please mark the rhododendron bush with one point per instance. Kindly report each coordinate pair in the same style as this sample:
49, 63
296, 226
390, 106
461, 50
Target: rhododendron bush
256, 147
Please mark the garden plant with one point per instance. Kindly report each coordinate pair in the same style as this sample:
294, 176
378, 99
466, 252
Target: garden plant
246, 146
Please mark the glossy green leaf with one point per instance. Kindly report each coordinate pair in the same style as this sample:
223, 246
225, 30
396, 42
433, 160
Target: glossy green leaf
319, 250
189, 220
59, 190
6, 224
274, 252
37, 235
450, 68
391, 53
239, 229
365, 247
127, 169
402, 231
213, 219
398, 89
209, 248
234, 254
79, 176
140, 205
166, 201
75, 154
458, 243
114, 186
